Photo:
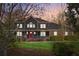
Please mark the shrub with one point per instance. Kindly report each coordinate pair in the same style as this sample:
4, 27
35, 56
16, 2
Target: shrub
63, 49
56, 38
71, 38
75, 37
68, 46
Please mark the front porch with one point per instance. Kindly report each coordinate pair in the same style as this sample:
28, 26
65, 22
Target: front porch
34, 35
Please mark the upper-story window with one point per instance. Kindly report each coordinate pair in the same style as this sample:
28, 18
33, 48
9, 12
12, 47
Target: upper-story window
30, 25
19, 26
42, 25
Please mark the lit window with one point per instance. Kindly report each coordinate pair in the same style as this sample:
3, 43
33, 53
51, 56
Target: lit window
19, 25
33, 25
19, 33
42, 33
42, 25
30, 32
66, 33
30, 25
27, 25
27, 32
55, 33
34, 32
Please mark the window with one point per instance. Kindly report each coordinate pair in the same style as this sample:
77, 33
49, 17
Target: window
30, 25
42, 33
34, 33
30, 32
66, 33
27, 32
55, 33
33, 25
19, 25
19, 33
42, 25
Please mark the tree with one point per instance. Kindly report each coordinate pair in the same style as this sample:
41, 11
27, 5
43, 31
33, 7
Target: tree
9, 12
72, 16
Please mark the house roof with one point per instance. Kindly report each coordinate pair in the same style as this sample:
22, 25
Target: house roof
50, 25
37, 19
41, 20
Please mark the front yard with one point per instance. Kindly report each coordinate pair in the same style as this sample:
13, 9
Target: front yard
33, 45
40, 48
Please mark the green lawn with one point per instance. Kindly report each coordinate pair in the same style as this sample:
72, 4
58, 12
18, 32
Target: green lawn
38, 45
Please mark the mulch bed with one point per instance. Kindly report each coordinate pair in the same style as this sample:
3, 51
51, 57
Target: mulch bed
28, 52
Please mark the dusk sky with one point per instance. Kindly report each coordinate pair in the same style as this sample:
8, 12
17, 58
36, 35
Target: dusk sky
52, 10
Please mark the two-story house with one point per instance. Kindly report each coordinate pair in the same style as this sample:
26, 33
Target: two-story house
36, 29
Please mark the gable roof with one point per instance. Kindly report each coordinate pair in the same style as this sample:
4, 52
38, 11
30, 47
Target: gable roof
41, 20
50, 25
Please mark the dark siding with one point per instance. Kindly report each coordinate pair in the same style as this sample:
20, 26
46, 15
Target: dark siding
19, 22
37, 23
30, 20
52, 26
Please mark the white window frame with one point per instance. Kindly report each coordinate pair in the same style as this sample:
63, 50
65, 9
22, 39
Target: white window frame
19, 33
55, 33
30, 25
42, 25
66, 33
42, 33
20, 25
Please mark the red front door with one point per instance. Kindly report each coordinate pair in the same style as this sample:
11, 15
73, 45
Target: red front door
30, 35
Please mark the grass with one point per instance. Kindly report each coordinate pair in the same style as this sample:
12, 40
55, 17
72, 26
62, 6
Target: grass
38, 45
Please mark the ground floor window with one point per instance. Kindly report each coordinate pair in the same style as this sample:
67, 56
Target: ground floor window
42, 33
27, 33
19, 33
34, 33
55, 33
66, 33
